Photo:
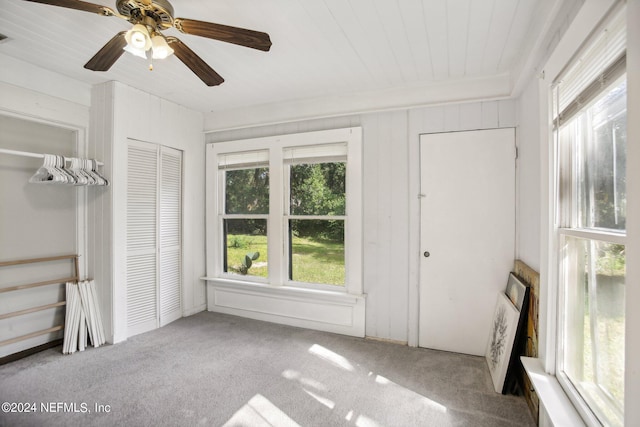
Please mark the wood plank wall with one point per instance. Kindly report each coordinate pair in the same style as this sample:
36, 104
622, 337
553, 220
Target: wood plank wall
391, 207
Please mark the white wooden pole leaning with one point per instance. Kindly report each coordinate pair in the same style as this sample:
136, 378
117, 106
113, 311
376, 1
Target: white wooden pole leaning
82, 317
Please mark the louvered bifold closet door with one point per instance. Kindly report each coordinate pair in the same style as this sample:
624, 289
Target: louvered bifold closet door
170, 218
142, 231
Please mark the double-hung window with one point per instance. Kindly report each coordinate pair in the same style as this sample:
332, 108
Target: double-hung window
287, 211
590, 117
244, 210
315, 183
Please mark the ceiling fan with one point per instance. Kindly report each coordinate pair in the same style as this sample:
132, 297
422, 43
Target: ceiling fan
145, 39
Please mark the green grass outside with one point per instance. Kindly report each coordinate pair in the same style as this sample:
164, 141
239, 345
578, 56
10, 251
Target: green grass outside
314, 260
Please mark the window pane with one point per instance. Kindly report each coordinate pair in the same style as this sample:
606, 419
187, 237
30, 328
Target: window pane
247, 191
316, 252
602, 162
318, 189
245, 247
594, 289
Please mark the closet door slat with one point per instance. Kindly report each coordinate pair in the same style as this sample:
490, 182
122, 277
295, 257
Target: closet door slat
142, 242
170, 227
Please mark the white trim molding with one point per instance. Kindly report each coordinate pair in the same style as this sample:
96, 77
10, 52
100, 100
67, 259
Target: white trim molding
278, 299
305, 308
557, 405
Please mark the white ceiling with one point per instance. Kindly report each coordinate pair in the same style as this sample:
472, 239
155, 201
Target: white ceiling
322, 49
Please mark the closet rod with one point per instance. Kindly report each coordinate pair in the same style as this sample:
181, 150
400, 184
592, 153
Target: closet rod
27, 154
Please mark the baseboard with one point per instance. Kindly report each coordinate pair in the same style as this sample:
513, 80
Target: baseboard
28, 352
387, 340
194, 310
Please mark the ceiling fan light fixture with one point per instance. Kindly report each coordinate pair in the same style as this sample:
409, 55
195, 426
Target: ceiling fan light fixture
161, 48
134, 51
148, 19
138, 37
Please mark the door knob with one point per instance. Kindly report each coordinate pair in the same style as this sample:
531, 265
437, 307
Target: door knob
426, 254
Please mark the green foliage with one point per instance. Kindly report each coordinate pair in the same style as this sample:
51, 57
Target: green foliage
253, 244
237, 241
247, 191
318, 261
239, 231
318, 189
315, 260
611, 260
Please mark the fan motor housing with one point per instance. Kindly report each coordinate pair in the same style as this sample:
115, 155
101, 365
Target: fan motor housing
160, 11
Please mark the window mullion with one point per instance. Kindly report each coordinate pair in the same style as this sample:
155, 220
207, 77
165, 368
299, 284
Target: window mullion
320, 217
594, 234
615, 173
244, 216
287, 255
277, 227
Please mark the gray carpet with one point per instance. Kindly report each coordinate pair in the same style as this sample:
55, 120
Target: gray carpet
213, 369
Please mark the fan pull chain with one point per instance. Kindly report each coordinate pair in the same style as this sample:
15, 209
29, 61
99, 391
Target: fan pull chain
150, 58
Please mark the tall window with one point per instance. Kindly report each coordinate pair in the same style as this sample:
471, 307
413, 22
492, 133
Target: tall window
289, 210
590, 126
315, 182
244, 212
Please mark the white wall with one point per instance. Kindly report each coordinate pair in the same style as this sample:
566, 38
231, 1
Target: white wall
36, 220
391, 175
21, 74
528, 176
120, 112
33, 93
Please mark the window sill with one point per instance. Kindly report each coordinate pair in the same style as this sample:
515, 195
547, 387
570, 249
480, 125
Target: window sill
559, 408
331, 311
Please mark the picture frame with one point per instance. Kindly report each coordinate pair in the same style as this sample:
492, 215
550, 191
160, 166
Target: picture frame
516, 291
501, 339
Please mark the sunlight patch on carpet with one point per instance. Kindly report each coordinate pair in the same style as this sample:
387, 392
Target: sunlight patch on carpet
334, 358
260, 412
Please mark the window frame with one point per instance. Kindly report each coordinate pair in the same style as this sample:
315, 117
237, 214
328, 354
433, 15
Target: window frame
221, 203
567, 225
277, 220
288, 216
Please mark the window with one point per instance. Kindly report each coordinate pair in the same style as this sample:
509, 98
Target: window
244, 212
288, 211
591, 226
315, 213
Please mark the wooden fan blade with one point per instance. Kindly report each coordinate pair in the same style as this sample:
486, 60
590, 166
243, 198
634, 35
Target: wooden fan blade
109, 54
194, 62
78, 5
235, 35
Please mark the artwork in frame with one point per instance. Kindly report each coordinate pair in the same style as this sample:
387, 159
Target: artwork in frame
516, 291
501, 338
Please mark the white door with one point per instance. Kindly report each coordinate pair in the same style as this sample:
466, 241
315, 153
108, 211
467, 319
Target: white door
170, 237
467, 235
154, 242
142, 241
